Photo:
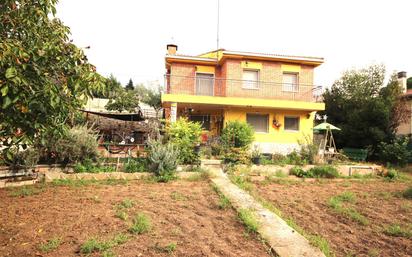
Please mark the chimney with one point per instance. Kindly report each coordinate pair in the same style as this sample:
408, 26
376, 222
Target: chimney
402, 80
171, 49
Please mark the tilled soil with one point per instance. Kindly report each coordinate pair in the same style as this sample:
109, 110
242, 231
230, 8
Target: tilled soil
379, 201
181, 212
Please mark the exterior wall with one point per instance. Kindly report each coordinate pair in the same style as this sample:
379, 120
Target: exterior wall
179, 83
270, 77
406, 127
277, 139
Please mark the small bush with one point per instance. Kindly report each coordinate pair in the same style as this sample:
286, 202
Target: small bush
407, 193
391, 174
185, 135
141, 224
325, 171
237, 134
299, 172
79, 144
395, 153
136, 165
237, 156
308, 150
26, 159
163, 160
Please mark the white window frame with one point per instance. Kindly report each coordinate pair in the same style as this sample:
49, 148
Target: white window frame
267, 122
293, 117
214, 80
257, 80
288, 85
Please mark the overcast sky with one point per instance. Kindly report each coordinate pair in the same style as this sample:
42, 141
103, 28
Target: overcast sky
128, 38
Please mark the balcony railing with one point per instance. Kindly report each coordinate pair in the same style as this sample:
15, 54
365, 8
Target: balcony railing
241, 88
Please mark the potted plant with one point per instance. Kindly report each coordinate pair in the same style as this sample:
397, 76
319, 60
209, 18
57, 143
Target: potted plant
256, 156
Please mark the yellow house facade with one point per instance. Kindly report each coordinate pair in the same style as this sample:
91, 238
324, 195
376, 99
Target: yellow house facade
273, 93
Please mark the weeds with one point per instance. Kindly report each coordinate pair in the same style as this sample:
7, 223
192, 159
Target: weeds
248, 218
199, 176
407, 193
336, 203
127, 203
26, 191
121, 215
141, 224
169, 248
95, 245
50, 245
399, 231
224, 202
177, 196
87, 182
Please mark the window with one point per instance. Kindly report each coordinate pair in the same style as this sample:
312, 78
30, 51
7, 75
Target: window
290, 82
258, 121
204, 83
292, 123
250, 79
204, 120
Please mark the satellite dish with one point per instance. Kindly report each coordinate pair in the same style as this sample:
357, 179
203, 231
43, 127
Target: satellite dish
132, 139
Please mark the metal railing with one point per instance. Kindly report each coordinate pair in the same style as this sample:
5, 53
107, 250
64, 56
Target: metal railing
241, 88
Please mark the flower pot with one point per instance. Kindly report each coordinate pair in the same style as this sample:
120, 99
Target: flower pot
256, 160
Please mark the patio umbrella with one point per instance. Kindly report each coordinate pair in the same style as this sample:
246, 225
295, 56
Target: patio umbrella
325, 126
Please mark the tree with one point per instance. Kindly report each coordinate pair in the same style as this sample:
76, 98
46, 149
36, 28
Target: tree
409, 83
124, 101
367, 111
129, 85
112, 86
44, 78
150, 96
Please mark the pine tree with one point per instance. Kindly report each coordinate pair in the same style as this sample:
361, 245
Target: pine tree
129, 85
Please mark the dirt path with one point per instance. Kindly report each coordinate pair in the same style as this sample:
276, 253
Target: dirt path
184, 213
306, 203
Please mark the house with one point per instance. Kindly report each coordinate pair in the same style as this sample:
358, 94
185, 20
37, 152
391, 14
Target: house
274, 93
405, 128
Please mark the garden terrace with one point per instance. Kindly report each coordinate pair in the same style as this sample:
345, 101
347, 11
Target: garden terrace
181, 218
363, 217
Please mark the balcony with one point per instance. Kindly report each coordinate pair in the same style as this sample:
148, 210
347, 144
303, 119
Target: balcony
209, 86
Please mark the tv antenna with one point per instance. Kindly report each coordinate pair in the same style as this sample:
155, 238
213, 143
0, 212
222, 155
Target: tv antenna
217, 29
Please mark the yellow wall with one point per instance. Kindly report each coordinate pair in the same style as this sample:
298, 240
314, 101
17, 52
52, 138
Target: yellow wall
276, 135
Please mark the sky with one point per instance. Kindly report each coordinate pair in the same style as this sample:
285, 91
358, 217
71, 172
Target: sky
128, 38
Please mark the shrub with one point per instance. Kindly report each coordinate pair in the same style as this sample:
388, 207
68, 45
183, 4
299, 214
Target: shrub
299, 172
77, 145
237, 156
136, 165
92, 167
237, 134
391, 174
408, 193
395, 153
185, 135
294, 158
26, 159
308, 150
324, 171
163, 160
